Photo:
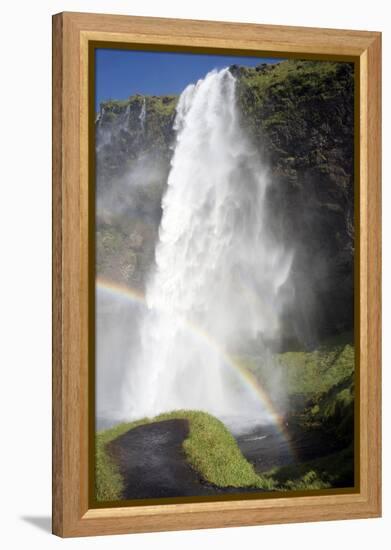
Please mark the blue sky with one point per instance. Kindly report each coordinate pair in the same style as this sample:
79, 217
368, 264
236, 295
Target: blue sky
121, 73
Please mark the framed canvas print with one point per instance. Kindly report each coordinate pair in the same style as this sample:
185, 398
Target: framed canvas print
216, 274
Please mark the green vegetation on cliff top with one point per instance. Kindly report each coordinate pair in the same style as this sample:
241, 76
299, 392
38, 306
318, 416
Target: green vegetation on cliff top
303, 110
164, 105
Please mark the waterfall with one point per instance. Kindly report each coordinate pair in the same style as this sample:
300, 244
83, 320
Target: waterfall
219, 271
125, 119
143, 114
100, 116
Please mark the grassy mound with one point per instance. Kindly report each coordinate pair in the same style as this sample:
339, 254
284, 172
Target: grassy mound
210, 449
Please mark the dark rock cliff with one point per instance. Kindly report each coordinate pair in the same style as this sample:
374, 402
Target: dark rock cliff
301, 115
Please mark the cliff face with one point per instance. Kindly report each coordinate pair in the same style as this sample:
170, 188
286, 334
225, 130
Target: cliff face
127, 129
133, 144
300, 115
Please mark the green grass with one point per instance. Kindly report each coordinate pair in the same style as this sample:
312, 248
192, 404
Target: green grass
210, 449
317, 371
284, 106
307, 373
320, 393
325, 379
304, 76
333, 470
163, 104
160, 110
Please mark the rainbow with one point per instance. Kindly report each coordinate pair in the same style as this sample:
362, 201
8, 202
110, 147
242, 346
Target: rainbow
245, 376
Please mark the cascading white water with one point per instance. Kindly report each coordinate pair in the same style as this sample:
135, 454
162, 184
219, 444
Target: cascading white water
143, 114
218, 269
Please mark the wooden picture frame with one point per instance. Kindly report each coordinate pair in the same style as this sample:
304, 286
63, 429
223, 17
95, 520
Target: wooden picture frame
72, 34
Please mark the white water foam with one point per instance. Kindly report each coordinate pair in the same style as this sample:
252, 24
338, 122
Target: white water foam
218, 270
